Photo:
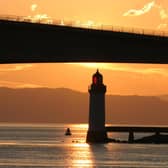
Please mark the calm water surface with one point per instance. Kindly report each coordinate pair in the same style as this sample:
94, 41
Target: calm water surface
45, 146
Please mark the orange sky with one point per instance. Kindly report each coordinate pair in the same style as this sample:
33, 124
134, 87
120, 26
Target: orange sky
139, 13
119, 78
127, 79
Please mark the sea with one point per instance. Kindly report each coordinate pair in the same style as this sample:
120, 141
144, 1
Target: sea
46, 146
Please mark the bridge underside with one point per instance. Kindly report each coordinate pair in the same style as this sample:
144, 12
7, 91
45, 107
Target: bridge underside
28, 43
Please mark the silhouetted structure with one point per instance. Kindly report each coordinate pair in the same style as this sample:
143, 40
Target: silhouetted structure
68, 132
97, 131
142, 129
33, 42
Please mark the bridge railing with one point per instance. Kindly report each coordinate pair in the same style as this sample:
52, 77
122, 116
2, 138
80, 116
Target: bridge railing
48, 20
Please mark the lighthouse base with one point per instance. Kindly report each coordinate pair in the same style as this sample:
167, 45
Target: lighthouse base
96, 137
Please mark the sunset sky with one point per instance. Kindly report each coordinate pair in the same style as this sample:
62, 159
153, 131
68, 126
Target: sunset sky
124, 79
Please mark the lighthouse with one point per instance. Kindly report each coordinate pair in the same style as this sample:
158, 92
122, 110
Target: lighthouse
97, 131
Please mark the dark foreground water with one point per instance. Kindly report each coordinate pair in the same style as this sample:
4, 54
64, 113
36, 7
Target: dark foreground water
45, 146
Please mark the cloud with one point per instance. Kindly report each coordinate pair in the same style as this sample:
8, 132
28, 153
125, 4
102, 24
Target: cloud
12, 68
131, 68
33, 7
162, 26
13, 84
163, 14
139, 70
147, 8
138, 12
134, 12
39, 17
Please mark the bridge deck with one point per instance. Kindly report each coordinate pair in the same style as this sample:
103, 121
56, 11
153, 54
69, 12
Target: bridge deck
32, 42
136, 129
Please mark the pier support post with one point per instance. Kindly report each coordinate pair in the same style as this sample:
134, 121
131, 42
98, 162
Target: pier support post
131, 137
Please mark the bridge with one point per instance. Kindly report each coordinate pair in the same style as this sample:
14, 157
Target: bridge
26, 42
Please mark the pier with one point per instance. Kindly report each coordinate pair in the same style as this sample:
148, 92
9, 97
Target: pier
136, 129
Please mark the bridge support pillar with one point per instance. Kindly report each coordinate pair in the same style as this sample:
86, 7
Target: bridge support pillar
131, 137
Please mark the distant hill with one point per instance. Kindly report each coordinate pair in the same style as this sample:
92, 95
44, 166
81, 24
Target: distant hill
164, 97
61, 105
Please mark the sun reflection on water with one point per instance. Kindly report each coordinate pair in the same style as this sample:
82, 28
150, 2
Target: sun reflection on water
82, 155
79, 126
81, 145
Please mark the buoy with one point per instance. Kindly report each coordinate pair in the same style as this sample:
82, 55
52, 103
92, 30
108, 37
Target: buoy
68, 132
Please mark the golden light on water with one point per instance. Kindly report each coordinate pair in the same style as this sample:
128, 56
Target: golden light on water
82, 155
81, 145
80, 150
81, 126
82, 163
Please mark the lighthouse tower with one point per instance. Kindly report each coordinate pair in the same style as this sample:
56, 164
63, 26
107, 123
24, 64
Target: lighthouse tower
96, 131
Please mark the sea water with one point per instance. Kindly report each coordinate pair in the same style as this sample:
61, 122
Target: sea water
46, 146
